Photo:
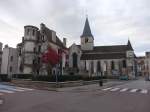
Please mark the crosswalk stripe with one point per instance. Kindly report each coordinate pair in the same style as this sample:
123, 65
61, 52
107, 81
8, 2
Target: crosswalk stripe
14, 89
6, 91
1, 102
144, 91
1, 94
133, 90
107, 89
123, 90
24, 88
115, 89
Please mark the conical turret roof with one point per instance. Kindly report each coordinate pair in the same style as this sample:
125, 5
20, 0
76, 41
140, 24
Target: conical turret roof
87, 30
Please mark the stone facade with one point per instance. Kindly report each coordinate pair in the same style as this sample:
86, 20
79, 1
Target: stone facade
35, 43
147, 63
9, 60
141, 65
101, 60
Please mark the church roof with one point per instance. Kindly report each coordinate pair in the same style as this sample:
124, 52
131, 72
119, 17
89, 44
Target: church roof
87, 30
103, 56
106, 52
108, 49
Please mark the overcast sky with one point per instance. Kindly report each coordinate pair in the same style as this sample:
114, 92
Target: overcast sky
112, 21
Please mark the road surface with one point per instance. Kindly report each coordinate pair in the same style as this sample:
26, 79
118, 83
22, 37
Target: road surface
117, 96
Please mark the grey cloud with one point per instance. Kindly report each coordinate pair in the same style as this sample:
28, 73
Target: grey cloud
111, 21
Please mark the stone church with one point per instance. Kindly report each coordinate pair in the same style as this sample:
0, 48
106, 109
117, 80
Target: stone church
91, 60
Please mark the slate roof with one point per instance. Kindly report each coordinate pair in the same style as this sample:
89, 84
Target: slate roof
106, 52
58, 42
108, 49
87, 30
103, 56
129, 45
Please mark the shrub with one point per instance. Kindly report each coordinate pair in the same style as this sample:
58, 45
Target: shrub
4, 77
63, 78
22, 76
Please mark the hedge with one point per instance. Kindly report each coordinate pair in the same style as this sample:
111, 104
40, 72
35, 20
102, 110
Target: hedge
22, 76
4, 78
61, 78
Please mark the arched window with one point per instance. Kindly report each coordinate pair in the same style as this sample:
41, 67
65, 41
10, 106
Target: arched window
124, 63
75, 60
98, 66
112, 65
28, 31
92, 67
33, 32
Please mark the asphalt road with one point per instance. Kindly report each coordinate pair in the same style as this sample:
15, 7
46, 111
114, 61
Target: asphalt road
132, 96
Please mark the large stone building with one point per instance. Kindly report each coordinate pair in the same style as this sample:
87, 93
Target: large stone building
106, 60
9, 60
35, 43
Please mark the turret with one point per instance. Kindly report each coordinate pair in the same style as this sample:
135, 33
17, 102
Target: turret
30, 40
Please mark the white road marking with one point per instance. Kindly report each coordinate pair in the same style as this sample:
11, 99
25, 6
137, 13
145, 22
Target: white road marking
106, 89
1, 102
1, 94
115, 89
24, 88
133, 90
123, 90
144, 91
14, 89
6, 91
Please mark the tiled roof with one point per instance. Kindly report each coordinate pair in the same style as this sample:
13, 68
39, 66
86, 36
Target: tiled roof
108, 49
103, 56
106, 52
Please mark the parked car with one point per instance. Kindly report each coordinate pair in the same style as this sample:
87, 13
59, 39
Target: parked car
124, 77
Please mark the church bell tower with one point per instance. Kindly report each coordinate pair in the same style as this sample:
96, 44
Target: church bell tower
87, 39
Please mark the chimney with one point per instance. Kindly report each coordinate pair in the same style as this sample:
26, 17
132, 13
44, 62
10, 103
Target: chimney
42, 27
64, 41
6, 46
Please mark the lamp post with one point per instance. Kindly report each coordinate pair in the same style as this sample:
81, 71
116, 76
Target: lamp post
56, 74
101, 80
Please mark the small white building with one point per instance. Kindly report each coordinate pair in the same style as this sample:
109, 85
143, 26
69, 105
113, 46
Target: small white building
9, 61
147, 63
0, 55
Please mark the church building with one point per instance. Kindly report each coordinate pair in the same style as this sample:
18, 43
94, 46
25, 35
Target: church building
87, 59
